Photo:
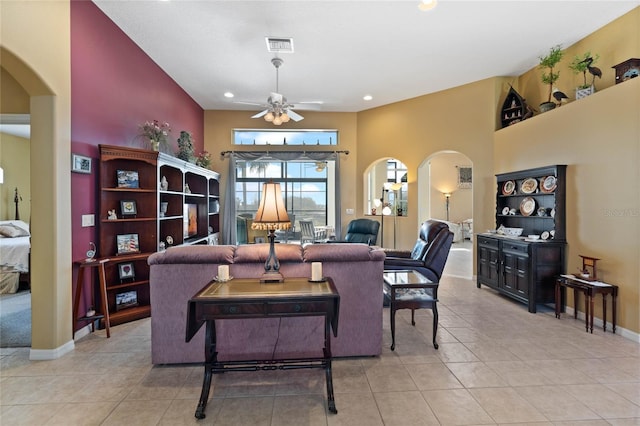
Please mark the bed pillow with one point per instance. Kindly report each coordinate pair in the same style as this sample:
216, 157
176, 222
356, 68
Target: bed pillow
12, 231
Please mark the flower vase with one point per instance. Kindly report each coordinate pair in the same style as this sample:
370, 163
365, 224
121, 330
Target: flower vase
155, 145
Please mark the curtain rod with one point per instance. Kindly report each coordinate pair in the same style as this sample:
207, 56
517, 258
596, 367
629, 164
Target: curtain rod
226, 153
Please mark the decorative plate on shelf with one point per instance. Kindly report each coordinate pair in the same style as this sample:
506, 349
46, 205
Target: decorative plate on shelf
505, 211
527, 206
529, 186
508, 187
548, 184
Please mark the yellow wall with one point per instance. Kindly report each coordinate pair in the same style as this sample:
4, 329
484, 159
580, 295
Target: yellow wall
460, 119
444, 179
35, 51
598, 138
13, 98
14, 160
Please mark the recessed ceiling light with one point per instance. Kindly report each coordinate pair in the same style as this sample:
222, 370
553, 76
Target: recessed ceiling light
367, 97
228, 95
427, 5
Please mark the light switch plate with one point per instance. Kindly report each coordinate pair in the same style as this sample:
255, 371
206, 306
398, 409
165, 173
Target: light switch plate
350, 211
88, 220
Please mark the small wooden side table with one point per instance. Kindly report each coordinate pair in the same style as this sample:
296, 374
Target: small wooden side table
96, 263
590, 289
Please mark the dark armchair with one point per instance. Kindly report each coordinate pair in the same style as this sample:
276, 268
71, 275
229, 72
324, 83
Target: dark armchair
362, 231
429, 254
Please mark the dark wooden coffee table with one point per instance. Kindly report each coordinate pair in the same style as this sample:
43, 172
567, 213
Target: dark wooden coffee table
409, 289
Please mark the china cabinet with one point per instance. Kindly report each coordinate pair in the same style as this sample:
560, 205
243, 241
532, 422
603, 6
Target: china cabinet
524, 267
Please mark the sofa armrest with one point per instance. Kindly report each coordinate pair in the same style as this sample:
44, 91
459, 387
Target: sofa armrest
406, 254
404, 262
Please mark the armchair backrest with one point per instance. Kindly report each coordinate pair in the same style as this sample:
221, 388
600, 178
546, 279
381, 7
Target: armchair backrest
362, 231
433, 245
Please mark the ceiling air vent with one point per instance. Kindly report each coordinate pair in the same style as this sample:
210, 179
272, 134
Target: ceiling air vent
279, 44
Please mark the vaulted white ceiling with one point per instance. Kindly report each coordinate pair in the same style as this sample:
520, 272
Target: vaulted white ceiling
344, 50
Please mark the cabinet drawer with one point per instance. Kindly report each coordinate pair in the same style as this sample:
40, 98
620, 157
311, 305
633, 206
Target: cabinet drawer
232, 309
488, 242
297, 308
516, 248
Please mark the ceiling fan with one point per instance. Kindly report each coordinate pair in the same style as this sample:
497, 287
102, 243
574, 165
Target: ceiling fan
278, 110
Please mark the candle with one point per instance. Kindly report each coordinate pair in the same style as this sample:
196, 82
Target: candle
316, 271
223, 272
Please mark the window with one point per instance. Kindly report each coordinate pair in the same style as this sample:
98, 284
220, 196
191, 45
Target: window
304, 187
285, 137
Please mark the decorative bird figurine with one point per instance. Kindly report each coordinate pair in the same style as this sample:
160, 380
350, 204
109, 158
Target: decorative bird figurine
594, 71
560, 96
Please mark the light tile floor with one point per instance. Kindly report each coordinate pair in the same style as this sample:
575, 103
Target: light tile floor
497, 364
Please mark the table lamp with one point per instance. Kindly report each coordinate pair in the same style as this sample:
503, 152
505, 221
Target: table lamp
271, 216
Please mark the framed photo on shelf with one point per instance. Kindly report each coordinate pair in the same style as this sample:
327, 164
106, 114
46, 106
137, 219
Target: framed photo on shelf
126, 271
127, 299
128, 208
128, 243
80, 164
465, 177
128, 179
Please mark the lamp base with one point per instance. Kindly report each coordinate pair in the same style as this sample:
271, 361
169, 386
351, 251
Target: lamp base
272, 277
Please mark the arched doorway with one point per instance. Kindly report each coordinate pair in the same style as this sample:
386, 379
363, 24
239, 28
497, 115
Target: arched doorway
50, 207
445, 188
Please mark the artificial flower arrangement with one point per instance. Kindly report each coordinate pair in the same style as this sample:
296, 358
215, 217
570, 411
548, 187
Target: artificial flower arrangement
156, 133
204, 159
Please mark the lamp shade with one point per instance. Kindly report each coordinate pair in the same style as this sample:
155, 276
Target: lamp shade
272, 213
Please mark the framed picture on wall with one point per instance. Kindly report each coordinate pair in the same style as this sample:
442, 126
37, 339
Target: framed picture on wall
80, 164
465, 177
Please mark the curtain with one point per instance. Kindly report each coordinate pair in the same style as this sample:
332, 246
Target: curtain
229, 219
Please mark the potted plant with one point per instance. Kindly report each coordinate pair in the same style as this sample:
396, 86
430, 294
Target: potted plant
549, 76
185, 147
581, 64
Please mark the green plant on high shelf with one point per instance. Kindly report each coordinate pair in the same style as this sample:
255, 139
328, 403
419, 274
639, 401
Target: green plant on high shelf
580, 64
185, 147
549, 76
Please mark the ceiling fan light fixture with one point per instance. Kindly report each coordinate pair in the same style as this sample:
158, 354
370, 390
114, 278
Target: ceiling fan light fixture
285, 117
269, 116
277, 121
426, 5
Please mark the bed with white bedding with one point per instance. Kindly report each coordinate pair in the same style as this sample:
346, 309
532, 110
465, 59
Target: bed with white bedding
15, 246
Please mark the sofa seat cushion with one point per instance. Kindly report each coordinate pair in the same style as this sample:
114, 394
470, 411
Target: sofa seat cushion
258, 253
194, 254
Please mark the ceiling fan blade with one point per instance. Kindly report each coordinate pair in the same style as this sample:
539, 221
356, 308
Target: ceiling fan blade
260, 114
249, 103
294, 115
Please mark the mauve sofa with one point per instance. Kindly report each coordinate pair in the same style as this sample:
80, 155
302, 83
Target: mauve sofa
179, 272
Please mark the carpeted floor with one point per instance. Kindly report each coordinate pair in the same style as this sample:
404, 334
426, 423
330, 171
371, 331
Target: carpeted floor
15, 320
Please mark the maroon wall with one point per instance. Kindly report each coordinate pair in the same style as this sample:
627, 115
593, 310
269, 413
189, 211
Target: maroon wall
115, 87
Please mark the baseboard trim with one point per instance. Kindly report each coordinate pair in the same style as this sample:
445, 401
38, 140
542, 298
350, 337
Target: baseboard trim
49, 354
84, 331
597, 323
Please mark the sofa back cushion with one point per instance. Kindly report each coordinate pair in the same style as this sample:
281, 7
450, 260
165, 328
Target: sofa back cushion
194, 254
341, 253
252, 253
